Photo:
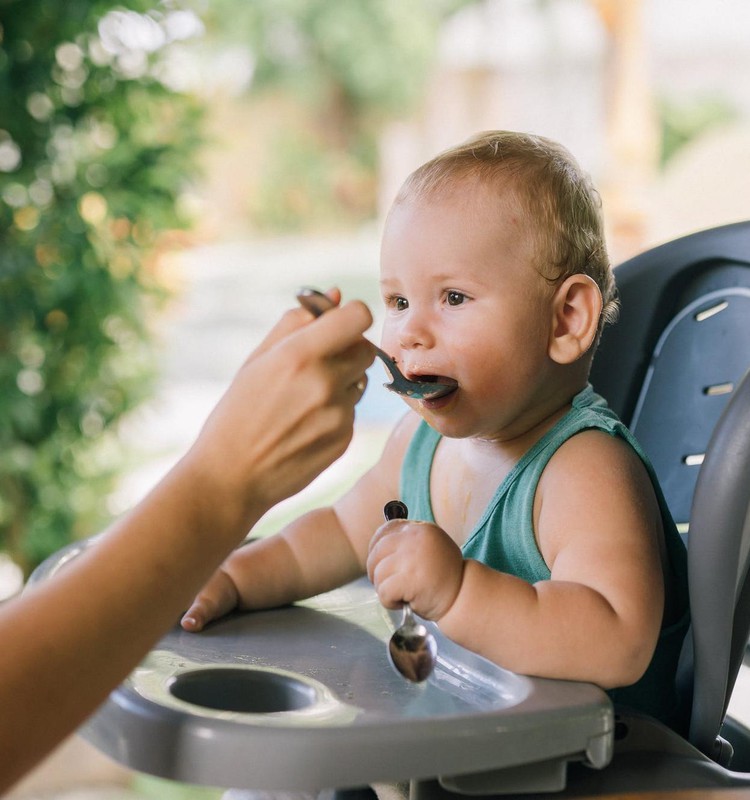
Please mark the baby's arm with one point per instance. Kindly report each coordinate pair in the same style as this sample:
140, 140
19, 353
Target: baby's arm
597, 619
309, 556
319, 551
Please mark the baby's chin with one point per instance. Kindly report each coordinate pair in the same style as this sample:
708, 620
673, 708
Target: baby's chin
438, 413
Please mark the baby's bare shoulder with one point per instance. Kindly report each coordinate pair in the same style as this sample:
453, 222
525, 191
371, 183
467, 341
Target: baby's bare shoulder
595, 488
594, 457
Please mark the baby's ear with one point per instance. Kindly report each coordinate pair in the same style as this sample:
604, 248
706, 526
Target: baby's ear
576, 308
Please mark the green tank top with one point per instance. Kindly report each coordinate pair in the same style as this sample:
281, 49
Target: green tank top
504, 537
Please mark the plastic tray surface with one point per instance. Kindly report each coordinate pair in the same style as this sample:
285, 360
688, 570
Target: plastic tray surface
304, 697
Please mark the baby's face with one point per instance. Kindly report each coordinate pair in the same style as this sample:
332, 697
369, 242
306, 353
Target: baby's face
464, 300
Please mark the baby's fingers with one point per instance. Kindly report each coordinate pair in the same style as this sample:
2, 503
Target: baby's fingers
196, 617
217, 598
203, 611
390, 589
380, 546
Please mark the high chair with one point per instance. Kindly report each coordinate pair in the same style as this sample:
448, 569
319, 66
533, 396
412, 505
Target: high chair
673, 369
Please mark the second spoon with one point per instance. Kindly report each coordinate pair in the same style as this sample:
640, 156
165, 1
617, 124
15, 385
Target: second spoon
412, 649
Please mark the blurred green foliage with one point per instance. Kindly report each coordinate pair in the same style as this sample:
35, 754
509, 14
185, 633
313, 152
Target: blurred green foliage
348, 67
94, 153
95, 149
685, 120
366, 58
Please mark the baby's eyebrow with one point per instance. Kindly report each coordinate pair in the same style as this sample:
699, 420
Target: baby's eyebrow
454, 276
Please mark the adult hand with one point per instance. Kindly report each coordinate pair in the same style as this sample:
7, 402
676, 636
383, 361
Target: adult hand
289, 412
416, 563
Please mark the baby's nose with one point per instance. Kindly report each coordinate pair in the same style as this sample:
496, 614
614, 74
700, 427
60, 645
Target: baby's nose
416, 330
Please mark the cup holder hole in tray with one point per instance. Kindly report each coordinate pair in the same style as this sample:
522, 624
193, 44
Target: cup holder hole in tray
243, 690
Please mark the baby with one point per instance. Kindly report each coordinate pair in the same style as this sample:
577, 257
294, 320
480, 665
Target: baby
543, 541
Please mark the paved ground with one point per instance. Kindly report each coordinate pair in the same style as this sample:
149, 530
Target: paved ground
75, 771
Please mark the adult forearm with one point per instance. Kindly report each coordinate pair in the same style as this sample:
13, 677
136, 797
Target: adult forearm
78, 635
71, 639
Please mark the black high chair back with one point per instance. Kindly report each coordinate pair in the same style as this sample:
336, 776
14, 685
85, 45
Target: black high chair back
670, 364
675, 368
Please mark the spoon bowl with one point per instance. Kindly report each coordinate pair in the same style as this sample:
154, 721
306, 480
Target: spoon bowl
412, 649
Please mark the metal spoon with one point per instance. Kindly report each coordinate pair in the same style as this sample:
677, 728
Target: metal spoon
412, 649
317, 303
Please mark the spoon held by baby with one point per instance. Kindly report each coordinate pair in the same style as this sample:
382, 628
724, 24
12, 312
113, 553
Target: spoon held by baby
412, 649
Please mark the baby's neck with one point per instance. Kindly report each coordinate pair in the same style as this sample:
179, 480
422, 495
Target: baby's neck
466, 472
535, 423
515, 446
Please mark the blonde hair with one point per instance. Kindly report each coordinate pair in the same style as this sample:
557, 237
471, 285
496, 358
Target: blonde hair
556, 195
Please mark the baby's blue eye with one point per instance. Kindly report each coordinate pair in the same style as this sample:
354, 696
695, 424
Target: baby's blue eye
455, 298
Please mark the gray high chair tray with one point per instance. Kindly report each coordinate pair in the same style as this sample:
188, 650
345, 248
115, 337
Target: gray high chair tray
304, 698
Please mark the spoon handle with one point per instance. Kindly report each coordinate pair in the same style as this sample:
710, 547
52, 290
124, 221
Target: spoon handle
395, 509
314, 301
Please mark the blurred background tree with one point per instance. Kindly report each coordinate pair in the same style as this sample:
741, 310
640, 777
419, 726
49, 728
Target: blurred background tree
325, 77
95, 150
99, 137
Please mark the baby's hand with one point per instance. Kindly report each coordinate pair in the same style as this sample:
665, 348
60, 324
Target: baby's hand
218, 597
417, 563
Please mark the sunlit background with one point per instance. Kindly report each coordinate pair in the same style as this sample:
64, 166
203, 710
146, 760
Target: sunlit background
171, 172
